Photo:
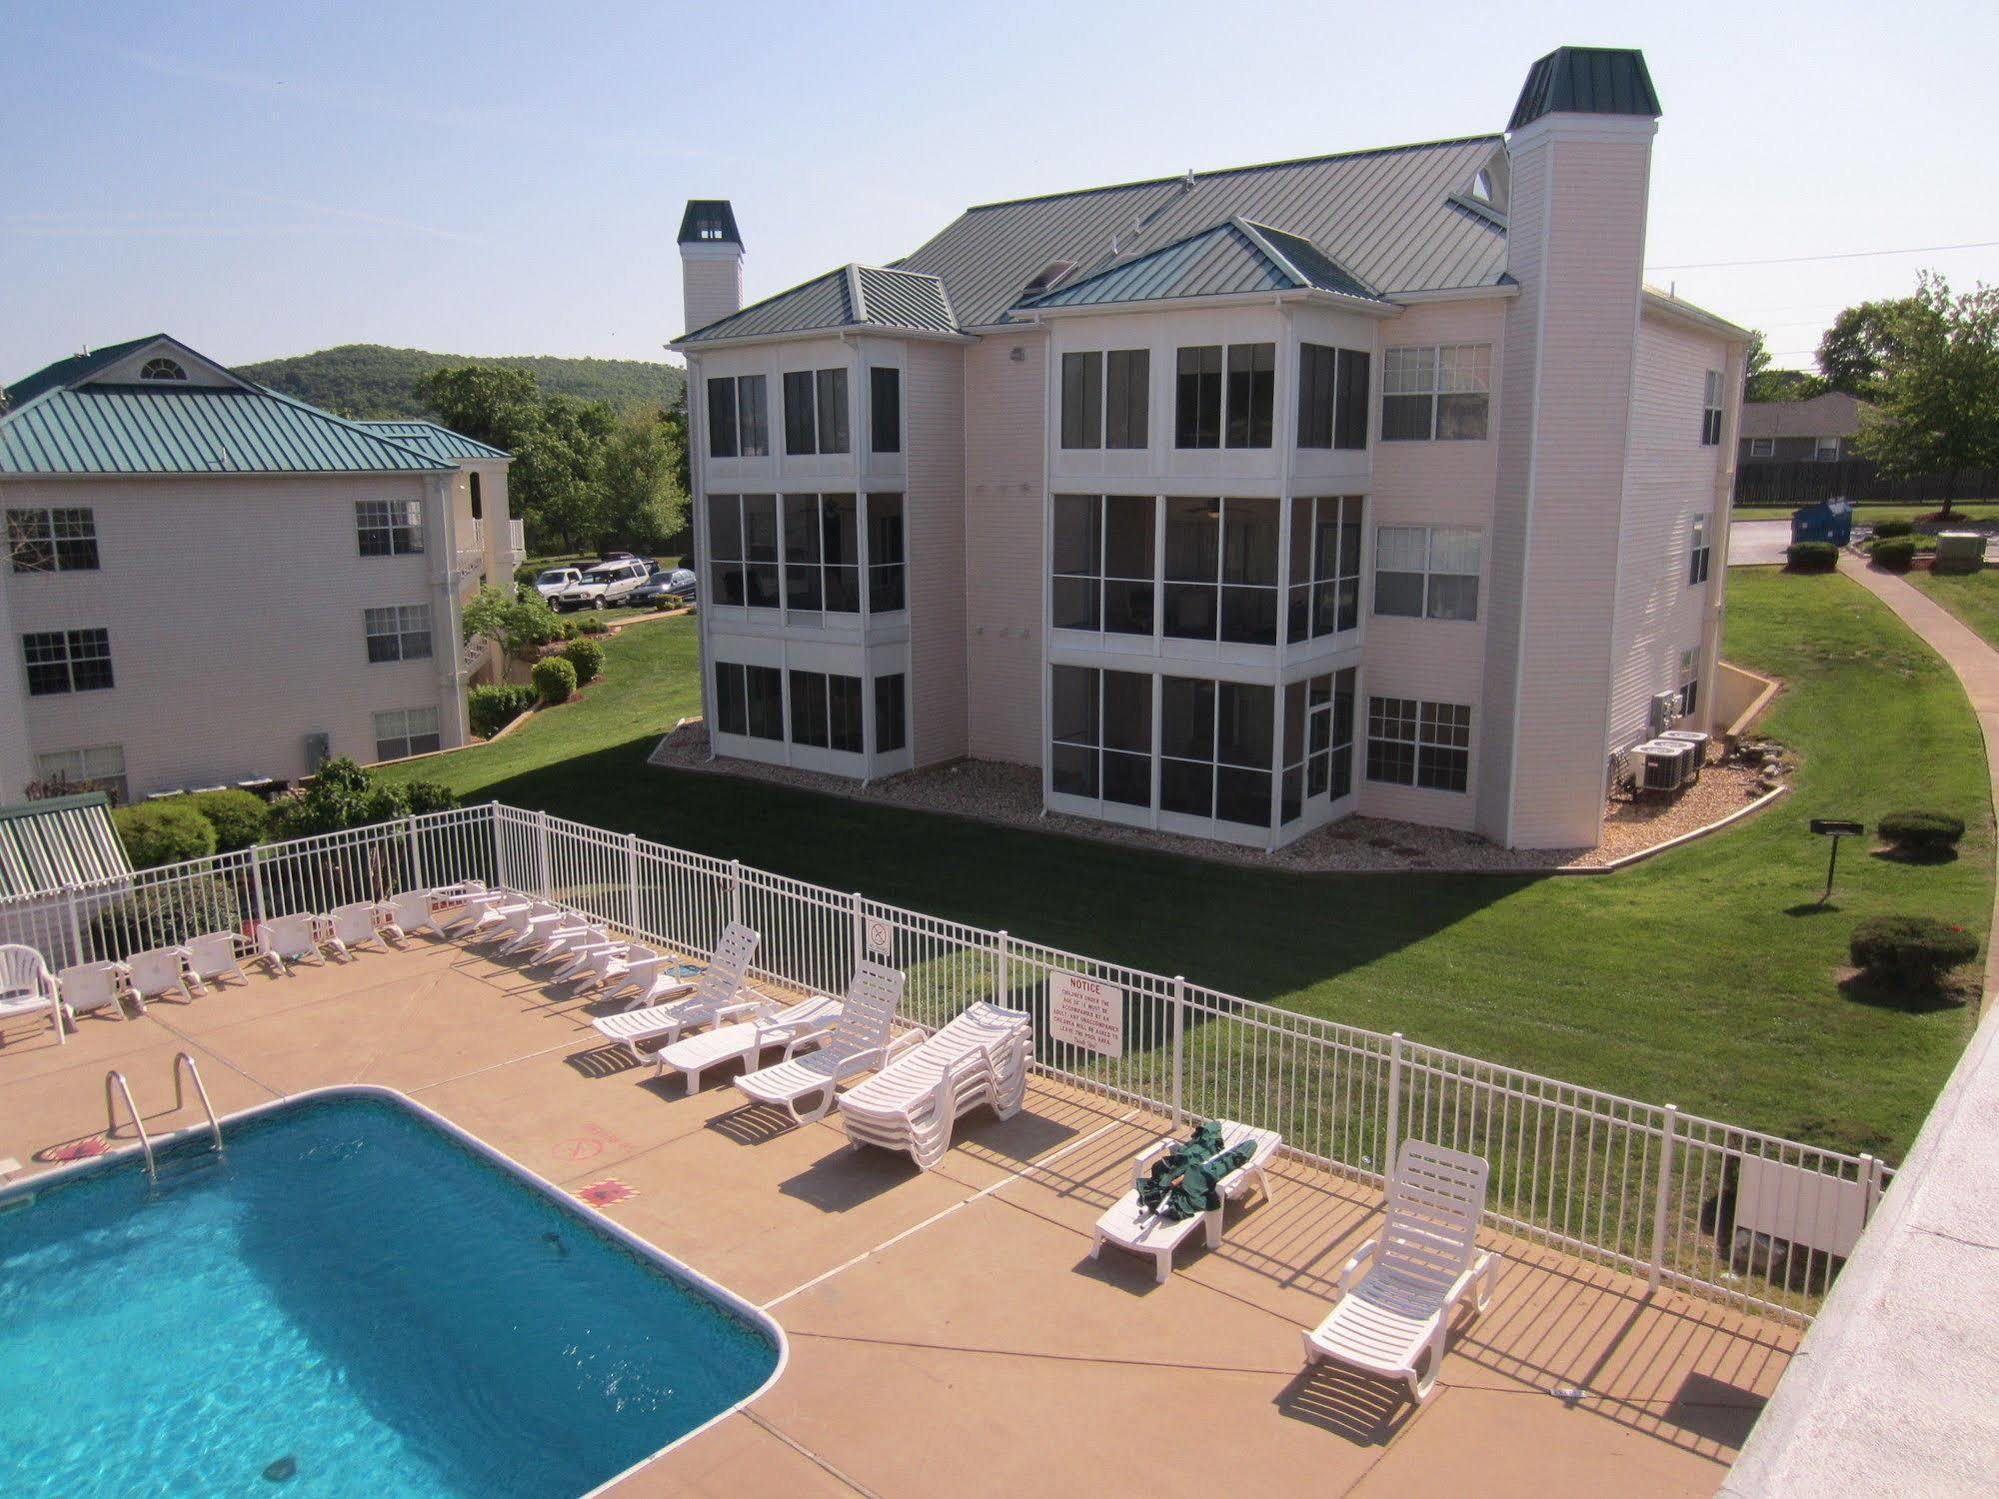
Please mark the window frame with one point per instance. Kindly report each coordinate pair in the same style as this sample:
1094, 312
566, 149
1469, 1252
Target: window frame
1711, 408
1101, 583
1254, 387
56, 550
1430, 571
1317, 761
66, 651
1328, 407
1403, 362
164, 370
1700, 553
399, 537
1762, 447
878, 387
887, 580
755, 718
808, 402
1423, 745
1307, 597
403, 628
1218, 768
829, 580
891, 710
115, 784
746, 405
1095, 742
1088, 410
1819, 450
1227, 594
1689, 681
409, 738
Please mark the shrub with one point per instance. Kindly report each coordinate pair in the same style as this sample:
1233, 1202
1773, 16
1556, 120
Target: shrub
240, 818
587, 657
591, 625
161, 918
554, 679
429, 796
491, 708
1888, 530
526, 573
1921, 832
341, 795
1812, 556
1913, 949
1895, 554
156, 833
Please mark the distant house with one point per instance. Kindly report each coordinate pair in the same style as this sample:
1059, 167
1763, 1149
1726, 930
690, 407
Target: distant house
1820, 430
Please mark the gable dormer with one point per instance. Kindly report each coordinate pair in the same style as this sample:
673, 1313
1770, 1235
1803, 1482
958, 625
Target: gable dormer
164, 363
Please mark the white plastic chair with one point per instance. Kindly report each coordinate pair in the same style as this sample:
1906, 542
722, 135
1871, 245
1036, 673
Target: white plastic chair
299, 938
27, 987
719, 993
980, 1059
1395, 1320
593, 966
358, 924
795, 1028
1131, 1226
805, 1087
158, 972
217, 957
96, 986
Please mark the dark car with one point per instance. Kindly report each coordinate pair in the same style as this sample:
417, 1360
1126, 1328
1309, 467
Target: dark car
667, 586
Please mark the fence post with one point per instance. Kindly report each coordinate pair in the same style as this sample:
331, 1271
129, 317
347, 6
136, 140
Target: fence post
541, 850
1870, 1179
1179, 1045
258, 904
735, 890
416, 854
75, 926
1393, 1131
632, 883
493, 820
859, 927
1667, 1131
1002, 965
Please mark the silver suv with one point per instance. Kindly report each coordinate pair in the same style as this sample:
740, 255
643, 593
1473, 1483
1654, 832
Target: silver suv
601, 586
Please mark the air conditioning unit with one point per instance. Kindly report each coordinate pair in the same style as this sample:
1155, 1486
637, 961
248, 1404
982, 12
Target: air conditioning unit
1665, 710
1664, 765
1698, 740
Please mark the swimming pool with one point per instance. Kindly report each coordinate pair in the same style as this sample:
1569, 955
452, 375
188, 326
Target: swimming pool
354, 1302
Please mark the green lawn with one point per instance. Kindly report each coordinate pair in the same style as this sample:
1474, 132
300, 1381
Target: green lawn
1873, 515
1972, 597
1705, 978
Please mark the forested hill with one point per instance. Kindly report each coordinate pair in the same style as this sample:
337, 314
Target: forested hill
369, 381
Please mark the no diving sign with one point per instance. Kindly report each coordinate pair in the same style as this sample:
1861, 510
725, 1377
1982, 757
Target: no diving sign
881, 937
1087, 1013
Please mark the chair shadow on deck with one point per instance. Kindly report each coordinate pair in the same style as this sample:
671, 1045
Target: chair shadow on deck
847, 1178
1358, 1407
601, 1061
752, 1123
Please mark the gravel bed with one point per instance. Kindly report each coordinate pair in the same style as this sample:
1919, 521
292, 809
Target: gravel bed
1010, 795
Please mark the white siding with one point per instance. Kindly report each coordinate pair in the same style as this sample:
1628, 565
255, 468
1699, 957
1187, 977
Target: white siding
934, 520
1003, 562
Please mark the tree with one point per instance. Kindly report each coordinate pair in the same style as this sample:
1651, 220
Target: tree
1761, 383
1936, 401
644, 505
518, 623
490, 404
344, 795
1859, 343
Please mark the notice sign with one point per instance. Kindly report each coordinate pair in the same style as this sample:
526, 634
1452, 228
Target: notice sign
1086, 1013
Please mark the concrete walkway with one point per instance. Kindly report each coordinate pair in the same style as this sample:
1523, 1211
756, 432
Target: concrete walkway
1758, 543
1976, 665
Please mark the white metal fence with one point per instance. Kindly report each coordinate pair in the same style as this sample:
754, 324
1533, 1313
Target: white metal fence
1725, 1213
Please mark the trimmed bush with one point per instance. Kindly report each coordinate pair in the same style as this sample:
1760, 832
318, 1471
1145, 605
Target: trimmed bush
429, 796
491, 708
554, 680
1895, 554
240, 818
1888, 530
1914, 949
586, 656
1812, 556
156, 833
1921, 832
591, 625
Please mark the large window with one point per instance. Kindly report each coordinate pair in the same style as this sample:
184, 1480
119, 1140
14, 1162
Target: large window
1762, 447
1436, 393
1825, 450
60, 661
1325, 566
1104, 564
1104, 398
1699, 553
738, 417
401, 732
400, 632
887, 584
1411, 743
1101, 722
815, 411
1318, 741
1225, 396
1711, 409
749, 700
100, 767
1332, 397
891, 714
826, 712
822, 553
389, 528
1221, 570
1215, 749
52, 541
885, 409
1426, 572
1690, 682
742, 550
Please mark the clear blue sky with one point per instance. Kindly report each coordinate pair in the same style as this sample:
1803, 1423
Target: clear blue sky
498, 179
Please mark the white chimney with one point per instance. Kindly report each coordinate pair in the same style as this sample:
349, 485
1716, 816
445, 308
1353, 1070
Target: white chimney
711, 263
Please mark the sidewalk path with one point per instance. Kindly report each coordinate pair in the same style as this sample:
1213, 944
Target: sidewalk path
1976, 665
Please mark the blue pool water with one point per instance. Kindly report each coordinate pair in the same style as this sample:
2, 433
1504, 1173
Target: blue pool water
354, 1302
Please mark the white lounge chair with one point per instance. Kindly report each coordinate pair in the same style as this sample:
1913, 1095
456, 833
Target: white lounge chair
27, 987
523, 927
561, 944
1130, 1225
1395, 1319
980, 1059
795, 1028
493, 909
217, 957
97, 986
358, 924
805, 1087
159, 972
593, 966
649, 982
719, 993
300, 938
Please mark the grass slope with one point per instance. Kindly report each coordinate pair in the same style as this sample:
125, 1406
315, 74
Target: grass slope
372, 382
1705, 978
1972, 597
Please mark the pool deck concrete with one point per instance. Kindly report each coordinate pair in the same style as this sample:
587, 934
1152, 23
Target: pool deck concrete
949, 1332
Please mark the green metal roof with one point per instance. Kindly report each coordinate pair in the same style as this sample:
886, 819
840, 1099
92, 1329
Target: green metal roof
435, 440
854, 296
1226, 259
1589, 81
76, 367
66, 840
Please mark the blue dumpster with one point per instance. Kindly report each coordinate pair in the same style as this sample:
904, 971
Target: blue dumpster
1828, 520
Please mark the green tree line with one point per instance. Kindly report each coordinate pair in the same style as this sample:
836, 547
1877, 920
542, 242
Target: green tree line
367, 382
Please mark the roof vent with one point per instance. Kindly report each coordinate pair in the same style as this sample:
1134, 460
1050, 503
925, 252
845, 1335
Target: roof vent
1048, 276
1187, 182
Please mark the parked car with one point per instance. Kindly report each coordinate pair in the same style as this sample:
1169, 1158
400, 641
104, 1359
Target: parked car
605, 584
665, 586
552, 580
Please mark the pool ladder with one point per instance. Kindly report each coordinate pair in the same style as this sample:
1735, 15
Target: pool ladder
115, 1088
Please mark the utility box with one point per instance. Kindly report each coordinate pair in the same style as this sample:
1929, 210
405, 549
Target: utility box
1959, 552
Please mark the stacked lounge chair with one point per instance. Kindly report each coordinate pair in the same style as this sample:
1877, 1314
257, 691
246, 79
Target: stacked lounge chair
979, 1060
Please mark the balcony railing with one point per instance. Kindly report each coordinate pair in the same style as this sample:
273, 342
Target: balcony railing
1728, 1214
